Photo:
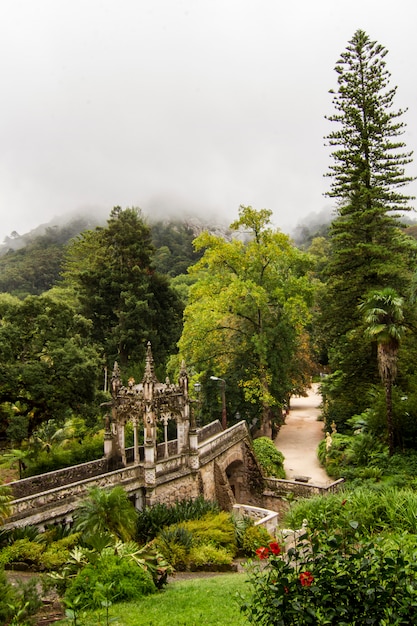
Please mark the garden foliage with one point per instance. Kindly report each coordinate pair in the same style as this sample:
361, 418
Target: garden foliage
153, 519
270, 459
334, 579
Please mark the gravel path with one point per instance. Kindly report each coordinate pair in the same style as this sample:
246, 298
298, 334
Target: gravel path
299, 437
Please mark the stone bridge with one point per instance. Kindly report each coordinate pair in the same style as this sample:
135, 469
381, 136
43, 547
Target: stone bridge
222, 468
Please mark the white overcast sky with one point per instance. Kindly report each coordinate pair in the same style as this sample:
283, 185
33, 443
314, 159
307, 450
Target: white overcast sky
180, 105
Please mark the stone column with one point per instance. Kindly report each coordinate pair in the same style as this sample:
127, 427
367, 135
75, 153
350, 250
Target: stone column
108, 438
135, 440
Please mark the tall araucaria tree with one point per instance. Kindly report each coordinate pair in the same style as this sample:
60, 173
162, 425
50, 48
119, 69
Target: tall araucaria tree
247, 312
368, 250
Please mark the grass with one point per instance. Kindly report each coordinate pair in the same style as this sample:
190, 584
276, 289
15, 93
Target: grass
196, 602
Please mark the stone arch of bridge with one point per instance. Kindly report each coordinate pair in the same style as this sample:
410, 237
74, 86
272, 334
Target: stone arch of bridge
235, 473
242, 473
233, 467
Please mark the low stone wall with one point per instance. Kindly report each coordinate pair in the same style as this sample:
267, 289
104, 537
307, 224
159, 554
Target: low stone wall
208, 431
59, 478
177, 487
281, 488
210, 448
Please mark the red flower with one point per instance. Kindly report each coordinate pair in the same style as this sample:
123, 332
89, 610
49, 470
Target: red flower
262, 553
344, 502
306, 579
274, 547
286, 590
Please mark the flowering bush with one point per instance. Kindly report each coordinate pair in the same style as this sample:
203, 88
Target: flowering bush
328, 580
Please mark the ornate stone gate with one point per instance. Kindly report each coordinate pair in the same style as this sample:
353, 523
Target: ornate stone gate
147, 405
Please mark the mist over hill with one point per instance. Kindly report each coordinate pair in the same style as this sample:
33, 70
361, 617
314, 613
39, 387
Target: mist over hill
74, 223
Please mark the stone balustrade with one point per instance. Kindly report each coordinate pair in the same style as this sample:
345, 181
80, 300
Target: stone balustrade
280, 487
59, 503
263, 517
221, 441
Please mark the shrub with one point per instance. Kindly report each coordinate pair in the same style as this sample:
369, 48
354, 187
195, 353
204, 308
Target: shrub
206, 554
122, 577
270, 459
326, 579
215, 529
174, 543
57, 553
23, 551
58, 457
153, 519
254, 538
176, 555
180, 543
374, 508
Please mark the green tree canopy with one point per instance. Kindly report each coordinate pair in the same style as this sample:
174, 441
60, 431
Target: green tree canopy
49, 365
367, 248
110, 269
173, 241
247, 312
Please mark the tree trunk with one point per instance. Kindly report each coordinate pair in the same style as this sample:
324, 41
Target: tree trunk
390, 424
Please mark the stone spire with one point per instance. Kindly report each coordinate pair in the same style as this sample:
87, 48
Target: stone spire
116, 381
149, 375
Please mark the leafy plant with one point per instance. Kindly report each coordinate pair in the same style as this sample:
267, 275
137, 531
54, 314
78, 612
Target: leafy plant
205, 555
7, 537
128, 581
7, 597
18, 604
329, 579
241, 523
107, 511
23, 551
270, 459
254, 538
176, 534
153, 519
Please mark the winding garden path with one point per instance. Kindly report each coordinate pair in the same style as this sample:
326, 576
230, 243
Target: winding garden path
299, 437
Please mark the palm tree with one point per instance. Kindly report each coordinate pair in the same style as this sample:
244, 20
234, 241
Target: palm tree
384, 316
107, 511
15, 458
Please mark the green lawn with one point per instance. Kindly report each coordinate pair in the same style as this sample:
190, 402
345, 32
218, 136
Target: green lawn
196, 602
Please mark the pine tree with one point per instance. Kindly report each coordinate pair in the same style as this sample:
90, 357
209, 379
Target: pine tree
111, 271
368, 249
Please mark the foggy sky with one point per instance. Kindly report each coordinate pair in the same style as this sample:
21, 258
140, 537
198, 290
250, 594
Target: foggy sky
180, 105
